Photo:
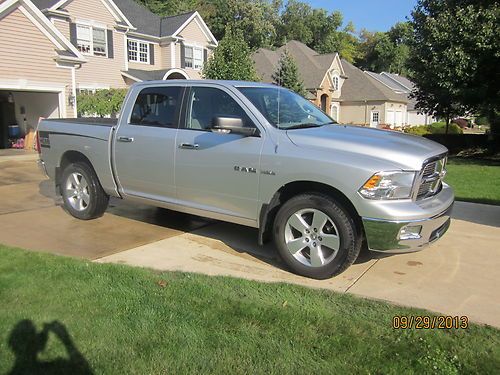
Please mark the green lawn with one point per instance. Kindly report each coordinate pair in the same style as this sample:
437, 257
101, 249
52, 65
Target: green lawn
116, 319
474, 180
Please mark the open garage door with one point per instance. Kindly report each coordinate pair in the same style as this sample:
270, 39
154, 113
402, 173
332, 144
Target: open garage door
20, 111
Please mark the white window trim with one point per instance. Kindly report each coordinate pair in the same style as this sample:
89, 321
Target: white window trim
195, 46
91, 25
335, 74
138, 61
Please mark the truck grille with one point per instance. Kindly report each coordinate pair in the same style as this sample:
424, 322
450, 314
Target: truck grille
431, 178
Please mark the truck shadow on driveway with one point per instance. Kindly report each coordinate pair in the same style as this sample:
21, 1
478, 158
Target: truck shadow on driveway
226, 237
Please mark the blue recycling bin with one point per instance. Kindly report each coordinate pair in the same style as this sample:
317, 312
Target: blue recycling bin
14, 131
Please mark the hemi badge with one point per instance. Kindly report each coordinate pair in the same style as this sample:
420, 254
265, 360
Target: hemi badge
271, 173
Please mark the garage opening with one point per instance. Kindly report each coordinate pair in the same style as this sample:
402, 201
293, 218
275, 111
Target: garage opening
20, 112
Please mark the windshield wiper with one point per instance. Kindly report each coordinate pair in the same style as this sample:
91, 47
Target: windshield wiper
308, 125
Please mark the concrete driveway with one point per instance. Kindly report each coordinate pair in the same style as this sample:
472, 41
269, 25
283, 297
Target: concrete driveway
457, 276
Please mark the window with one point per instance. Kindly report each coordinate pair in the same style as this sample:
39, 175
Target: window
335, 83
283, 108
375, 116
156, 106
138, 51
206, 103
91, 40
193, 57
334, 75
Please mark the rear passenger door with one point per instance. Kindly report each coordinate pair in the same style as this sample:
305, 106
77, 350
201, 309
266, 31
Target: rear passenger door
214, 171
145, 144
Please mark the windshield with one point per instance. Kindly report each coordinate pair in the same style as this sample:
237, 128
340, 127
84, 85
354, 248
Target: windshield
285, 109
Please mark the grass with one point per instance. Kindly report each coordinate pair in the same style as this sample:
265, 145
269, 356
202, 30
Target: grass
137, 321
474, 180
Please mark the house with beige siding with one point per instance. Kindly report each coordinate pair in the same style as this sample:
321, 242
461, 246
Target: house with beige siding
348, 94
52, 49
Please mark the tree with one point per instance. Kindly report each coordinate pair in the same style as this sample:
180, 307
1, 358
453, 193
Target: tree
455, 57
386, 51
101, 103
231, 59
287, 75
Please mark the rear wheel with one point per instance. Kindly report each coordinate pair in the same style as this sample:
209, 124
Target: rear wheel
315, 236
82, 193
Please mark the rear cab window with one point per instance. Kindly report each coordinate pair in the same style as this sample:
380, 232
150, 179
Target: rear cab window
157, 107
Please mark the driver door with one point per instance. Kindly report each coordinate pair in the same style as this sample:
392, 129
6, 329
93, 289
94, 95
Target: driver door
215, 171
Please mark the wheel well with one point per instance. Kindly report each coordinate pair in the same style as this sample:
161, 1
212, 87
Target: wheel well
70, 157
292, 189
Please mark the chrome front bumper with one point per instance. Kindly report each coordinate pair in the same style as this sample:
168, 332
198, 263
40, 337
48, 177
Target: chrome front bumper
401, 236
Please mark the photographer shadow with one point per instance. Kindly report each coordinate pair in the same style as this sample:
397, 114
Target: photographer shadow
27, 343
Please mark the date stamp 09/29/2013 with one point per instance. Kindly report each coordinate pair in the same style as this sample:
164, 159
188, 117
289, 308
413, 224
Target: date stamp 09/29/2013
430, 322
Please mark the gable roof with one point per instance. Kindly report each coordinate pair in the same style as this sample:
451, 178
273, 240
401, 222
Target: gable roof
141, 18
362, 86
311, 65
67, 53
398, 84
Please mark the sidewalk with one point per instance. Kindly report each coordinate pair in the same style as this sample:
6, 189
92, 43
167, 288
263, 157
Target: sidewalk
458, 275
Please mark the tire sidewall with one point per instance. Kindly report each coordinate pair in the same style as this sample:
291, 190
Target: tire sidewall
92, 182
337, 214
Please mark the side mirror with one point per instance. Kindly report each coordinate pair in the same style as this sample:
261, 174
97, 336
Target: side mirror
233, 125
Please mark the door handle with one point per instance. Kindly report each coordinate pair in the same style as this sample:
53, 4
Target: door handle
189, 146
125, 139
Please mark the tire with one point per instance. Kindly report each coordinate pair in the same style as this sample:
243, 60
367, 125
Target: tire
319, 254
82, 192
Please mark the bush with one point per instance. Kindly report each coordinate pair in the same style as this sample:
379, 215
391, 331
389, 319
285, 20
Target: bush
102, 103
482, 121
417, 130
440, 128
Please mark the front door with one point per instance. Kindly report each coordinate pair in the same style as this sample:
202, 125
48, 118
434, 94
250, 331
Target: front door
145, 144
374, 119
214, 171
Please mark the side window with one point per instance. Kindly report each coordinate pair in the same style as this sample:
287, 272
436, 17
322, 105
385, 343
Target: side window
156, 106
206, 103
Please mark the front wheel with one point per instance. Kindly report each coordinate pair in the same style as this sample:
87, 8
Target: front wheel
315, 236
82, 193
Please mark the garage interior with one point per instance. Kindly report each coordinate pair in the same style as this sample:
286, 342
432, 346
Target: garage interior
20, 112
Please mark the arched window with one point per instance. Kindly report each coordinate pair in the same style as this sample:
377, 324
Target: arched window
334, 75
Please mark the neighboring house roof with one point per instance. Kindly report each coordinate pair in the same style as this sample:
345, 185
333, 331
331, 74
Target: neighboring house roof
44, 4
398, 84
393, 85
311, 65
141, 18
362, 86
405, 82
66, 52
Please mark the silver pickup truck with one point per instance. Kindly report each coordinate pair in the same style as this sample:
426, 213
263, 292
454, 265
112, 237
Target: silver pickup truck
256, 155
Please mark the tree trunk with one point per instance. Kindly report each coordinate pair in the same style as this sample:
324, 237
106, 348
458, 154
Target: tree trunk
447, 124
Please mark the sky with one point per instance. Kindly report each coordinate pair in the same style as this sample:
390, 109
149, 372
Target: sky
373, 15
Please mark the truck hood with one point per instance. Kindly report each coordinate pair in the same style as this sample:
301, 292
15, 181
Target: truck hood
405, 150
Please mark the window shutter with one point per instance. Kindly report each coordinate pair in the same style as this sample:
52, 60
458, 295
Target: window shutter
183, 57
72, 33
111, 52
151, 54
205, 55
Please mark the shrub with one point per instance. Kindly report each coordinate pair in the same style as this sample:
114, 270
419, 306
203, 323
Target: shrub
440, 128
482, 121
417, 130
102, 103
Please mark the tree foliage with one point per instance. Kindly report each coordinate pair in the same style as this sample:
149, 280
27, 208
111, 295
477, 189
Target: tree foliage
231, 59
386, 51
455, 57
287, 75
102, 103
270, 23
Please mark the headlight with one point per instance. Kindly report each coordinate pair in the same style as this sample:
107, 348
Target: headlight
388, 185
